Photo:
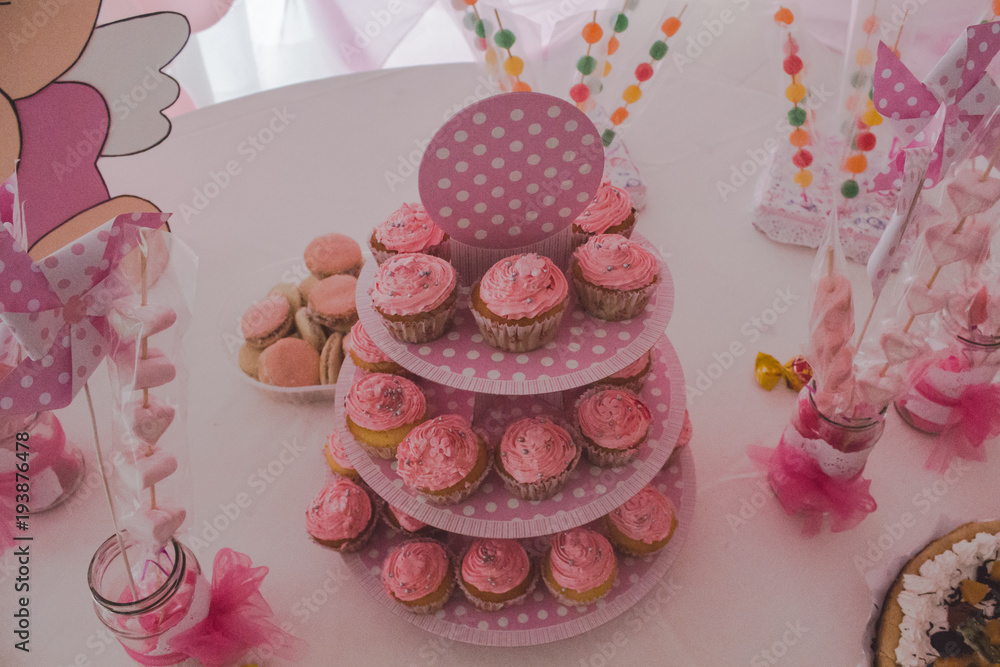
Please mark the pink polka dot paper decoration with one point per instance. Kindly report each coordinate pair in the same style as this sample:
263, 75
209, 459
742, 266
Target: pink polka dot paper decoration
540, 619
511, 170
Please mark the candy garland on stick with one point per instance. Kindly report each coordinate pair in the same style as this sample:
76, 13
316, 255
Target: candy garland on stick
795, 93
644, 72
513, 65
594, 85
592, 34
472, 21
860, 138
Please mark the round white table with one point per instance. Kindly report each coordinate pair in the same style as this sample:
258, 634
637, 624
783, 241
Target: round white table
253, 180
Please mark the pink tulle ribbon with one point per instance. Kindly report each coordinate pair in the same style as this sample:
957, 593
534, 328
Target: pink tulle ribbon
238, 620
978, 419
803, 488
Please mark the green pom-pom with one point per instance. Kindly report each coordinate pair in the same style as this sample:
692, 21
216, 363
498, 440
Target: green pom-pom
859, 79
480, 29
607, 137
658, 50
850, 189
621, 23
504, 39
586, 65
797, 117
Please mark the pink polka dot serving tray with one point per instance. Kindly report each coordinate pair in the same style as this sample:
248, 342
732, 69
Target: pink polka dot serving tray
493, 511
585, 350
541, 618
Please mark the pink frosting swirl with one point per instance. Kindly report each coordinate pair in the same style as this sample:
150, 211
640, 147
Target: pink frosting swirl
364, 347
523, 286
438, 454
337, 451
534, 448
611, 205
611, 260
613, 418
409, 229
647, 516
634, 368
412, 283
414, 569
405, 521
495, 566
381, 402
581, 559
340, 511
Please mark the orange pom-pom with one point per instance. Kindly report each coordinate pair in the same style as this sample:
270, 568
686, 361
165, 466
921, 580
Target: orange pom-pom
513, 66
856, 163
795, 93
522, 87
996, 7
851, 103
671, 26
803, 178
471, 2
592, 33
799, 137
632, 94
619, 116
871, 24
864, 57
784, 15
612, 45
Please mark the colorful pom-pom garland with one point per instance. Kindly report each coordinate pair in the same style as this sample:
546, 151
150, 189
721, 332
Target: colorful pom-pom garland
643, 72
592, 34
795, 93
504, 39
861, 139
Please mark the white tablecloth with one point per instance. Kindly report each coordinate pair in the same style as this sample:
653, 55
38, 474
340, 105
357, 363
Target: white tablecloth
314, 158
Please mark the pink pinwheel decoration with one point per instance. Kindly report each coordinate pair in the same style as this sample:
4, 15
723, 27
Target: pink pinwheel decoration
57, 310
959, 83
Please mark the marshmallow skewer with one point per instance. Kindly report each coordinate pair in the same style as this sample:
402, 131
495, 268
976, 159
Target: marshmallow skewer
143, 261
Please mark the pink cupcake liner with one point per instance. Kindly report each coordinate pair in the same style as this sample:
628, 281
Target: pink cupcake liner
387, 453
423, 329
613, 305
519, 338
544, 489
442, 250
483, 605
607, 458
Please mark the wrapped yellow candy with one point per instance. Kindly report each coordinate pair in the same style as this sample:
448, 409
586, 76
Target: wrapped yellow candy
768, 371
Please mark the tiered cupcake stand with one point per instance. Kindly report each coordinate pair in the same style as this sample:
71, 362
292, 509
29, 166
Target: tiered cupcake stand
460, 373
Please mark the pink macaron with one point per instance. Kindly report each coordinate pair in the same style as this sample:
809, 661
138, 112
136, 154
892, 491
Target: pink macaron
331, 303
291, 362
333, 254
267, 321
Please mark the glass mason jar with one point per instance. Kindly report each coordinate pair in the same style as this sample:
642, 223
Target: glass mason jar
963, 359
55, 467
173, 597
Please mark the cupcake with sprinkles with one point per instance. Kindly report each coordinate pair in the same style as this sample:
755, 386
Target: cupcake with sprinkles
415, 296
336, 458
535, 457
443, 459
381, 410
613, 424
401, 522
614, 277
409, 229
342, 516
366, 355
580, 567
496, 573
610, 212
519, 302
419, 575
643, 525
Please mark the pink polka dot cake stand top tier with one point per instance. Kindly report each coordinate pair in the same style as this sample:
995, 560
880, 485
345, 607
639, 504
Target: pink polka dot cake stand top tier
540, 618
493, 511
586, 349
511, 170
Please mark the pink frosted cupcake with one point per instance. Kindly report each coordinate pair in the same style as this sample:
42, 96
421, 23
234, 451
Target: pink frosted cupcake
643, 525
535, 457
401, 522
366, 355
409, 229
381, 410
418, 574
519, 303
610, 212
614, 277
613, 423
336, 457
443, 459
633, 376
415, 295
496, 573
580, 567
342, 516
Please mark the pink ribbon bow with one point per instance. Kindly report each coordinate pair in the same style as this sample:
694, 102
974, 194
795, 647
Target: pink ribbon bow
57, 310
803, 488
977, 419
958, 82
